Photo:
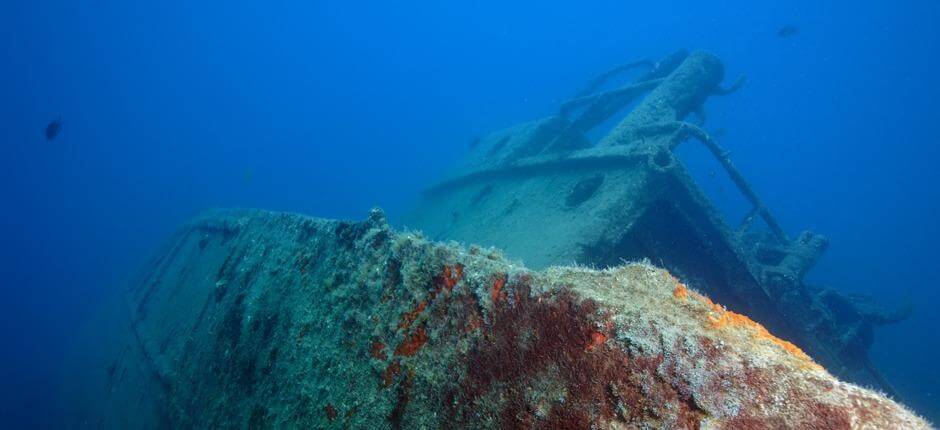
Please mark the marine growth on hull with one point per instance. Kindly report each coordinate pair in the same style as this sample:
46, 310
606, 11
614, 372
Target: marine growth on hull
254, 319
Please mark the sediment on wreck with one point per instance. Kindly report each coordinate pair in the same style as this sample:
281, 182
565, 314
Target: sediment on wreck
252, 319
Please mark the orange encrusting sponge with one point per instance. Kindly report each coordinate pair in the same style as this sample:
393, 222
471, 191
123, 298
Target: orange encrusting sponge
723, 318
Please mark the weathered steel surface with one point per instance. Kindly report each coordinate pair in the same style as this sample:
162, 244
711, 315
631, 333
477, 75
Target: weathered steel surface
252, 319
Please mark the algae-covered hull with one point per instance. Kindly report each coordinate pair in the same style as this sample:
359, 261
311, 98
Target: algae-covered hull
252, 319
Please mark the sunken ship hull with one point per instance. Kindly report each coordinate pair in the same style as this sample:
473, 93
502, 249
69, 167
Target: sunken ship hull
547, 195
251, 319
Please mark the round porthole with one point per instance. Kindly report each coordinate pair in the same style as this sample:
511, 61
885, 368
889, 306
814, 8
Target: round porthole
662, 159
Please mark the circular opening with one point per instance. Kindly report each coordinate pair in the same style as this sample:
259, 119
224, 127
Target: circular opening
662, 158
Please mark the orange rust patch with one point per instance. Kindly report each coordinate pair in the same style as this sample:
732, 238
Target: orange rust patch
714, 306
452, 275
497, 293
413, 343
391, 371
680, 292
473, 323
408, 318
728, 318
597, 339
377, 350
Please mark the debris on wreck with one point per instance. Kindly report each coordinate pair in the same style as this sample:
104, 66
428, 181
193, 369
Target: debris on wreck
554, 197
378, 329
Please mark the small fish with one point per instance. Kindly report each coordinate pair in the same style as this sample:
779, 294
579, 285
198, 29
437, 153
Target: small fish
719, 133
53, 129
788, 31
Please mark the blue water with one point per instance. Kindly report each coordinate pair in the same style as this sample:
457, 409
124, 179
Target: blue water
330, 108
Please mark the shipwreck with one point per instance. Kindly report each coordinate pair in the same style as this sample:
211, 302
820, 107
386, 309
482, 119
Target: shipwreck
546, 194
254, 319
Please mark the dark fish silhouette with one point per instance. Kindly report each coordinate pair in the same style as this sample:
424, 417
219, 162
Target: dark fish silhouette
53, 129
788, 31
